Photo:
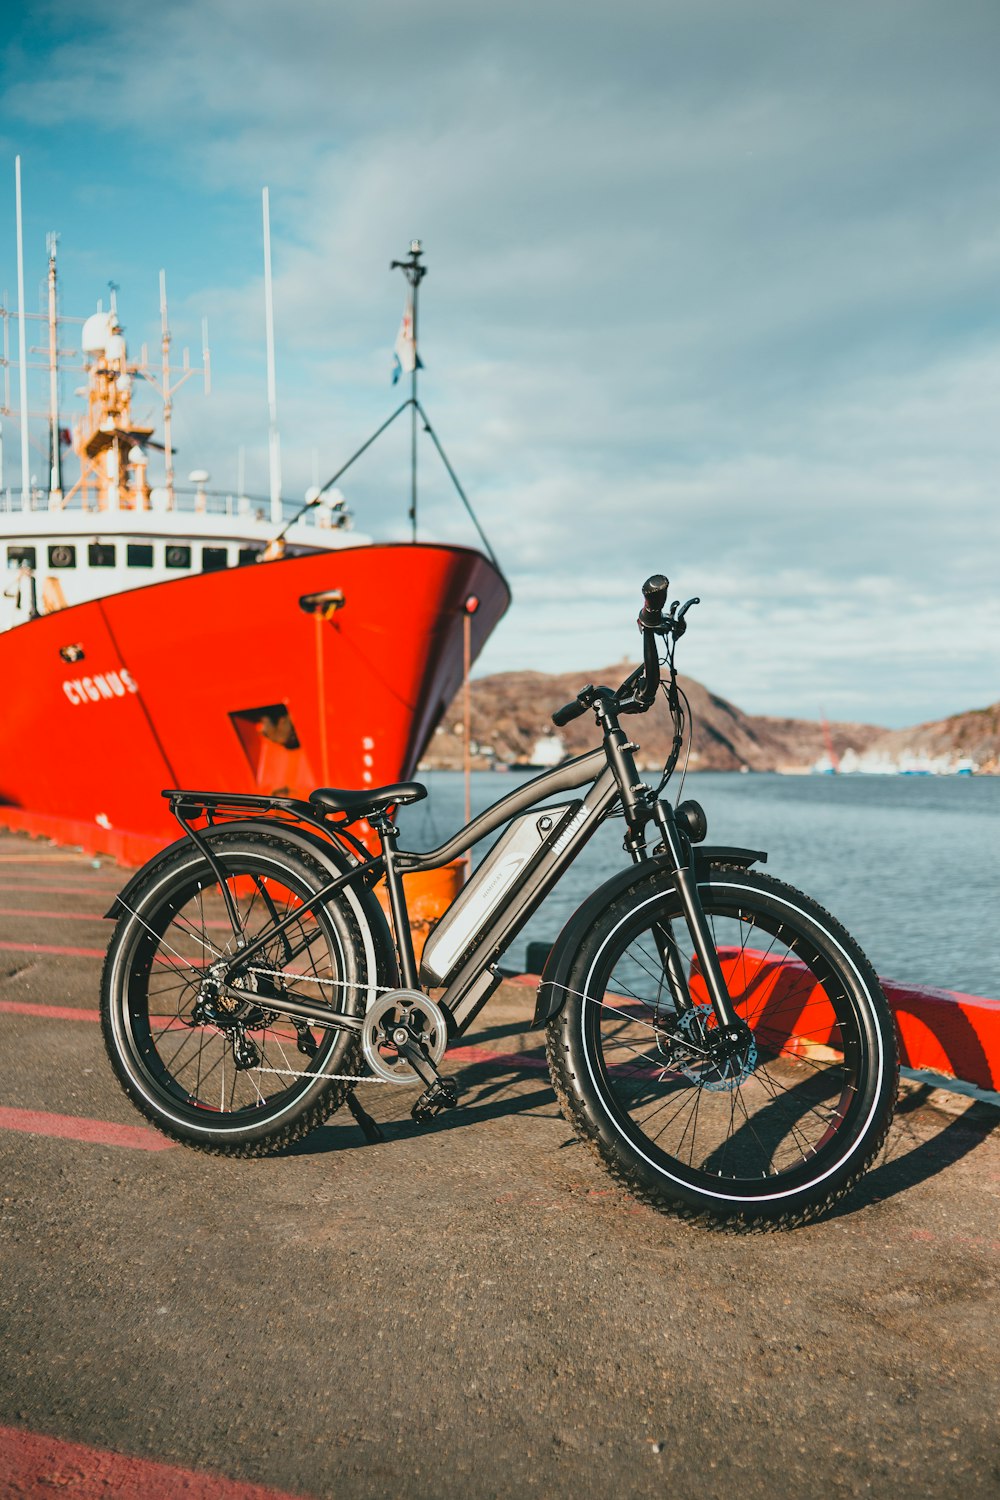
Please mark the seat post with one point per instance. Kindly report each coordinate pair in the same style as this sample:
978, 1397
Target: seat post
388, 834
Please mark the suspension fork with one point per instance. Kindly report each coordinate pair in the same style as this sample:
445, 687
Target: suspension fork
636, 802
684, 879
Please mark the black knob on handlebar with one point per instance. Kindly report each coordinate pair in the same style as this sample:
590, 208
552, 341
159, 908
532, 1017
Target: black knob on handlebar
569, 712
655, 594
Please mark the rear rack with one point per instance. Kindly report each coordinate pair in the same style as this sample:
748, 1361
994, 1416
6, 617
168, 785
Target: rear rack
189, 804
215, 807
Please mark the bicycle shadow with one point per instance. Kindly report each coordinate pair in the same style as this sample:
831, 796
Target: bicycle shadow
910, 1158
488, 1094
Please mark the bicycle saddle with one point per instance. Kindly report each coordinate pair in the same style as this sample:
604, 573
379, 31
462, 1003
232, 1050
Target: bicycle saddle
369, 799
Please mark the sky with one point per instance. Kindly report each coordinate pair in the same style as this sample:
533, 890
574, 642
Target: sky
713, 290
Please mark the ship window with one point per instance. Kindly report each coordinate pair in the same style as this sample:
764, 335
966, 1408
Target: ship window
178, 557
249, 555
101, 555
62, 555
18, 555
213, 558
140, 554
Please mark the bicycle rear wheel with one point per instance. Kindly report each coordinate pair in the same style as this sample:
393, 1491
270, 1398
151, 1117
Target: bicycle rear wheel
233, 1074
774, 1133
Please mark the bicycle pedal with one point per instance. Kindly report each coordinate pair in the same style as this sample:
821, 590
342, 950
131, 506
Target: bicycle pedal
442, 1095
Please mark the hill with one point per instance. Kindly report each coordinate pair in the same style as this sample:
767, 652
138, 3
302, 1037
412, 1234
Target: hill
970, 739
511, 714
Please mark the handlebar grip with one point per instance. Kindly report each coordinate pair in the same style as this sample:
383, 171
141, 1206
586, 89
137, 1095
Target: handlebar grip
568, 713
654, 592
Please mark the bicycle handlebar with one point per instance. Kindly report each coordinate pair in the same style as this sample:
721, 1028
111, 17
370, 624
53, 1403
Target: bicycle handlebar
570, 711
637, 693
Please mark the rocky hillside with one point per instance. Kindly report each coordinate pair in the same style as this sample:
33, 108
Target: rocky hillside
512, 724
971, 739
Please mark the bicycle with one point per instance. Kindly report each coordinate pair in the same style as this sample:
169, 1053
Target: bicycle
714, 1035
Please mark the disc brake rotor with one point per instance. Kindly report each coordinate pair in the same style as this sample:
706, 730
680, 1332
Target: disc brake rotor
694, 1045
422, 1018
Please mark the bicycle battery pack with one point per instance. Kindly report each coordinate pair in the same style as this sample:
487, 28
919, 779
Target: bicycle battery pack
507, 865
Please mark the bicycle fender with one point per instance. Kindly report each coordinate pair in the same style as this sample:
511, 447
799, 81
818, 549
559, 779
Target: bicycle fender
552, 986
371, 918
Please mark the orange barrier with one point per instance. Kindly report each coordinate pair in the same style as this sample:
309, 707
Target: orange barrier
939, 1031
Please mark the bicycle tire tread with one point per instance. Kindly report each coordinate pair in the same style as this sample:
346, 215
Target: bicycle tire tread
623, 1171
327, 1102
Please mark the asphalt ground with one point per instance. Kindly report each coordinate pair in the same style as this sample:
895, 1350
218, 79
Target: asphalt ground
469, 1310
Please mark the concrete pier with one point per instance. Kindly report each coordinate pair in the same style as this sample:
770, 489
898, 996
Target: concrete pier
471, 1310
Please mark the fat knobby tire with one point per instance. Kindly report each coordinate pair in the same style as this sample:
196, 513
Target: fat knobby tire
570, 1051
243, 854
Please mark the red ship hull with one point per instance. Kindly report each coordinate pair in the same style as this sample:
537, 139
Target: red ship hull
224, 681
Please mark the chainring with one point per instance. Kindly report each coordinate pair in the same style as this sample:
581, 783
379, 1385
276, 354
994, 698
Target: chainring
420, 1015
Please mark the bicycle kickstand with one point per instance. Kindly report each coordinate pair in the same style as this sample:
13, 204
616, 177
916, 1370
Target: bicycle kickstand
371, 1128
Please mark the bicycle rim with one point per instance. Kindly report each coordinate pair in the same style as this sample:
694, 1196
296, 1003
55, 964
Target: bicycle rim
250, 1065
779, 1119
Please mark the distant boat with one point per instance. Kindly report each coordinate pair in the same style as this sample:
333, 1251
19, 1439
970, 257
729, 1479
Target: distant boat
548, 751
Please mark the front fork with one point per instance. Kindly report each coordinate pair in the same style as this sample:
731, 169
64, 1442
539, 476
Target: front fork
733, 1028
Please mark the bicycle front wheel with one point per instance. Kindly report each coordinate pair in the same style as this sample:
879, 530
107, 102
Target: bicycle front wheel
225, 1068
773, 1133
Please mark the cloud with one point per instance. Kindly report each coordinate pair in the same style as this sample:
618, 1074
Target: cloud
712, 289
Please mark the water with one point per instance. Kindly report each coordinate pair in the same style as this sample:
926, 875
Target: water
910, 865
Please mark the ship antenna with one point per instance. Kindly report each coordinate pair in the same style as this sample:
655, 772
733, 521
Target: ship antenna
21, 344
273, 440
55, 443
414, 272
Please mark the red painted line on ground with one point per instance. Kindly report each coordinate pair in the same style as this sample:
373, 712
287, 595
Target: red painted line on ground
499, 1059
34, 1464
78, 1128
52, 948
39, 888
55, 916
50, 1012
469, 1054
45, 858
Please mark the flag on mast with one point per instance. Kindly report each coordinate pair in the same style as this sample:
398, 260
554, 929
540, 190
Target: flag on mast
405, 356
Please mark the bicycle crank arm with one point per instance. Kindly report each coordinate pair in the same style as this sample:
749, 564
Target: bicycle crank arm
409, 1048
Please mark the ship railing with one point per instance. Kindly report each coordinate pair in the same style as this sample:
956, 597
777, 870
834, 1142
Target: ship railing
186, 502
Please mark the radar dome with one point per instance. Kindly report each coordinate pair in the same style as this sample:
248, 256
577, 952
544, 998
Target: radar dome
96, 332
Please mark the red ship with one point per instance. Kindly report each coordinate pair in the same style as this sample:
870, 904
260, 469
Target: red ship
147, 644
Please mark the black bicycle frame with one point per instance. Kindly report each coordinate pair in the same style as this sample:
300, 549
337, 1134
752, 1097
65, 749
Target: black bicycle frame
613, 775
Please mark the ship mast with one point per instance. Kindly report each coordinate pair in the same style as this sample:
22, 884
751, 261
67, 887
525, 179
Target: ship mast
55, 444
164, 386
273, 439
22, 344
406, 345
414, 273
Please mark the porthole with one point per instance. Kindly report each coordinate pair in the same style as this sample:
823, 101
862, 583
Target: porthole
62, 555
102, 555
178, 557
140, 554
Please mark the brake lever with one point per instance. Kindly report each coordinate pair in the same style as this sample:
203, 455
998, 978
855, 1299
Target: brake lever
679, 622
